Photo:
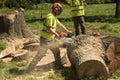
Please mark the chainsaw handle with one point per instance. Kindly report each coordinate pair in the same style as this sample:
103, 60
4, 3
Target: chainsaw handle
70, 35
63, 34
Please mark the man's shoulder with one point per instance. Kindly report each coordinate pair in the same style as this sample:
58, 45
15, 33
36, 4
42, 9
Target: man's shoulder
50, 15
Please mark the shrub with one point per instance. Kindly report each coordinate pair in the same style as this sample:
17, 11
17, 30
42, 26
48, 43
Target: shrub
51, 1
19, 3
95, 1
2, 2
11, 3
109, 1
26, 3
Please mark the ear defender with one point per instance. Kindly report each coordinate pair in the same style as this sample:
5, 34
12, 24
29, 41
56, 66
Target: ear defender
61, 10
57, 8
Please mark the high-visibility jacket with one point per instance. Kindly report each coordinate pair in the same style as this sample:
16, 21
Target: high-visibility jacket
77, 7
50, 21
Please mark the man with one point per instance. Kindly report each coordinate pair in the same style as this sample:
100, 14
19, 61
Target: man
51, 23
48, 34
78, 16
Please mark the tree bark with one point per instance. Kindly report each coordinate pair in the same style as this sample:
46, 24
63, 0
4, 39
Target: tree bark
112, 46
117, 13
86, 55
13, 25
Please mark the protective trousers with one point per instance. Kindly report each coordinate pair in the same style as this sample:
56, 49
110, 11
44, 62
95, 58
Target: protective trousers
44, 46
79, 21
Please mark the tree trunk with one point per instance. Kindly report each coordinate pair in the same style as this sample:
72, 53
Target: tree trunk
117, 13
86, 55
13, 25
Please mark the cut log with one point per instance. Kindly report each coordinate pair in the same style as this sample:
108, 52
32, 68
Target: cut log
110, 53
20, 55
64, 58
13, 25
86, 55
8, 59
112, 45
32, 46
7, 52
116, 40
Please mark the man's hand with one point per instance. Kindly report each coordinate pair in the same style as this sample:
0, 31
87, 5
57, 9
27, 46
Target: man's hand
57, 35
70, 35
69, 32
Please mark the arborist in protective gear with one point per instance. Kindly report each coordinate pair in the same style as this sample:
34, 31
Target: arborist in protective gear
51, 23
78, 16
48, 34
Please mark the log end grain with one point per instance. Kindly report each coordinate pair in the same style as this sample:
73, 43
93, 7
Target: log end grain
92, 68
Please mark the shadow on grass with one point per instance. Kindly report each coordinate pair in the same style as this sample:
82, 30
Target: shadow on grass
17, 71
69, 74
32, 20
97, 18
102, 18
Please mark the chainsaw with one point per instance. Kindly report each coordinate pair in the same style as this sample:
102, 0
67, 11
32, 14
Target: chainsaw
67, 37
63, 34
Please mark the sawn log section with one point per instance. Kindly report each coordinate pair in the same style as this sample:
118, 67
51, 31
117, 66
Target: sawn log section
86, 54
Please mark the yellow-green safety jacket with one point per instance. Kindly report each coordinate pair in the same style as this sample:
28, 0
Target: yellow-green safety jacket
77, 7
50, 21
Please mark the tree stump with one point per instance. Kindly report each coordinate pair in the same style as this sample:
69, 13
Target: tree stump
13, 24
86, 55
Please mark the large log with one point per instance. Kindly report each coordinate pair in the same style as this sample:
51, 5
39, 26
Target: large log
112, 46
86, 55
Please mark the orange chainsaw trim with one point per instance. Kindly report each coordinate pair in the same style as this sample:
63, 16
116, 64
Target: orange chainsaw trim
63, 34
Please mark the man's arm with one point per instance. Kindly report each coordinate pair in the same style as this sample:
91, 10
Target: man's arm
53, 32
63, 27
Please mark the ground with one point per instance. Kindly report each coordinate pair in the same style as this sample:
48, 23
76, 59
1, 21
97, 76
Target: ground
45, 65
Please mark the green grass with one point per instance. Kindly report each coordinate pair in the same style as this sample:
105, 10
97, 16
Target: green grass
3, 45
100, 9
116, 74
96, 18
99, 17
12, 69
5, 10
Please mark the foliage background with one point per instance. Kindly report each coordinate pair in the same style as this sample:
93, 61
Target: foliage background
30, 3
